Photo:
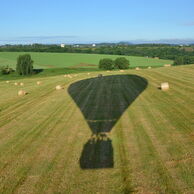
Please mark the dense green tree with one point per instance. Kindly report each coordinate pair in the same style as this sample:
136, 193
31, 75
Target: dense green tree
188, 60
24, 65
121, 63
106, 63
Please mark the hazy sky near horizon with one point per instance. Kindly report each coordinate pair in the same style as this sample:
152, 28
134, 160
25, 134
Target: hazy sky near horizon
25, 21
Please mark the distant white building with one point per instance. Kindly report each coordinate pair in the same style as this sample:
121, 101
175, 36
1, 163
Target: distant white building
62, 45
93, 45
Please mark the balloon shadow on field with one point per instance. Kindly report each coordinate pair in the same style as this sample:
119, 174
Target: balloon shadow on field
103, 100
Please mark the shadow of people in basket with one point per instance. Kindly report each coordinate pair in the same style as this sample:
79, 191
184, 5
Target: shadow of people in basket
103, 100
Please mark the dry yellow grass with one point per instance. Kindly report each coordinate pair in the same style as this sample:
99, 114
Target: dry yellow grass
42, 135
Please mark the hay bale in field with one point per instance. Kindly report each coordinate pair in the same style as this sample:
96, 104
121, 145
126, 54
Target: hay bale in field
59, 87
65, 76
100, 75
16, 84
164, 86
167, 65
107, 71
38, 82
137, 68
7, 82
88, 73
122, 71
21, 84
22, 93
149, 67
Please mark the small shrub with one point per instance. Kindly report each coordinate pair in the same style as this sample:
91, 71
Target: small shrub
121, 63
106, 64
5, 70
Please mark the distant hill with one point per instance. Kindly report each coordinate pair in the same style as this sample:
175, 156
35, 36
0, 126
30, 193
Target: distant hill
165, 41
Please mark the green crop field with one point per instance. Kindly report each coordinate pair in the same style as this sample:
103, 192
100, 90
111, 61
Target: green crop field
60, 60
115, 134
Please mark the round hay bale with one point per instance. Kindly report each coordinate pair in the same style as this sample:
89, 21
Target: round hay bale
100, 75
167, 65
7, 82
59, 87
38, 82
107, 71
149, 67
164, 86
16, 84
137, 68
65, 76
122, 71
88, 73
22, 93
21, 84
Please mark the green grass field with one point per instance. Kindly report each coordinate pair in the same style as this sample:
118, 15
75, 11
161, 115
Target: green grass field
142, 138
60, 60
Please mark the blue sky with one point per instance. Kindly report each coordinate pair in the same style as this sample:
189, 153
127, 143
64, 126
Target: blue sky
26, 21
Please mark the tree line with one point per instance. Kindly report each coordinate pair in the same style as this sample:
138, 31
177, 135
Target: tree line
180, 54
171, 52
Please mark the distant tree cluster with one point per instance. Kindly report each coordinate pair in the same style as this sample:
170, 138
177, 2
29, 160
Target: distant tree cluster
24, 65
109, 64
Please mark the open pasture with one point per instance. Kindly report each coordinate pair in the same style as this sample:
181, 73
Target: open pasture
117, 133
60, 60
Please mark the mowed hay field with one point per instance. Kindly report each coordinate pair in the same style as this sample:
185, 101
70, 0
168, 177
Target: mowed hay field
60, 60
143, 138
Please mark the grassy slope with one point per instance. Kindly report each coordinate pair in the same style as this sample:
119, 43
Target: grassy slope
53, 60
42, 136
